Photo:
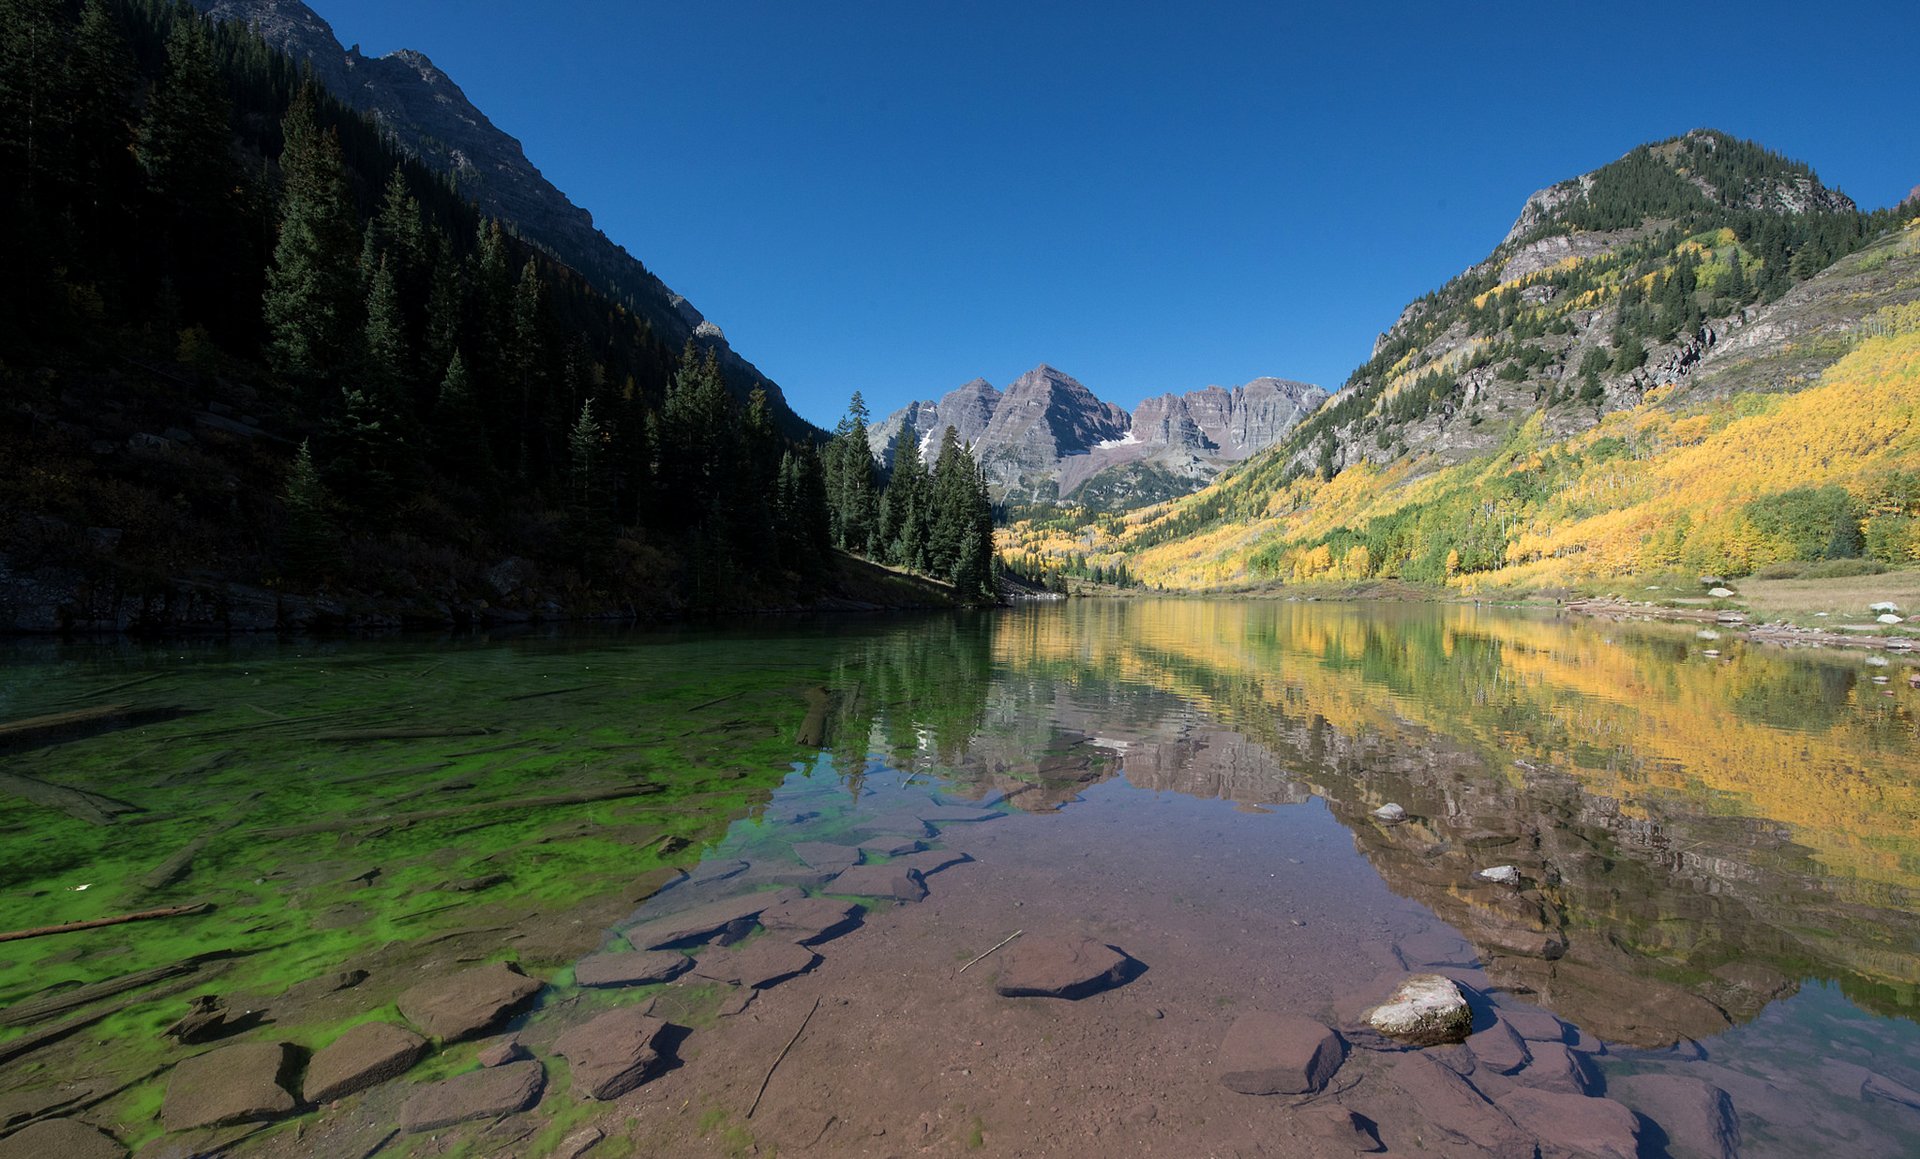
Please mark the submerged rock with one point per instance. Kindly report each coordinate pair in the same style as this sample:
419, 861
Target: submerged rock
613, 1053
822, 855
1450, 1105
471, 1002
61, 1139
811, 920
760, 964
702, 922
1279, 1054
1499, 1048
1341, 1130
1697, 1116
640, 968
235, 1084
480, 1094
1575, 1126
881, 881
1060, 966
364, 1056
1426, 1010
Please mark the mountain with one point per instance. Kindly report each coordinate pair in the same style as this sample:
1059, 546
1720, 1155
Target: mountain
427, 115
1670, 297
1048, 438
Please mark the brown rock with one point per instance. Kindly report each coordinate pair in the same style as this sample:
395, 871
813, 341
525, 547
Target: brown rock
1499, 1048
930, 862
1696, 1116
578, 1143
501, 1052
611, 1054
641, 968
61, 1139
823, 855
1339, 1130
1534, 1025
370, 1053
1575, 1126
469, 1003
1456, 1110
235, 1084
811, 919
1278, 1054
890, 846
881, 881
1556, 1068
479, 1094
759, 964
702, 922
1059, 966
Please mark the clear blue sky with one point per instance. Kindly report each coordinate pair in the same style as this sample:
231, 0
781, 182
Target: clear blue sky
896, 197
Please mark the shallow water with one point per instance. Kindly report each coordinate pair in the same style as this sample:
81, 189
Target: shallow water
1719, 854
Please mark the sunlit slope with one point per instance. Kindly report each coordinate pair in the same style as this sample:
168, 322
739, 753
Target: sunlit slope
1736, 470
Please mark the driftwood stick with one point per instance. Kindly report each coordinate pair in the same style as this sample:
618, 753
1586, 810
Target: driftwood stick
40, 1009
175, 911
428, 732
113, 688
92, 808
996, 945
54, 721
392, 819
782, 1057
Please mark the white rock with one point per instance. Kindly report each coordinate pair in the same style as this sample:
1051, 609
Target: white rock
1884, 606
1707, 634
1390, 813
1500, 874
1877, 661
1889, 618
1714, 652
1719, 593
1426, 1010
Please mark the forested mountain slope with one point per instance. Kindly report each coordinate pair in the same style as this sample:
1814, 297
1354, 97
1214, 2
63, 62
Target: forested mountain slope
1629, 314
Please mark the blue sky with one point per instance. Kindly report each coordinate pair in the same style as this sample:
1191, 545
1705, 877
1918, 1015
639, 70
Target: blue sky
897, 197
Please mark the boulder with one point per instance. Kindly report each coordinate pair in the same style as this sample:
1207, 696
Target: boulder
469, 1003
1575, 1126
1499, 1048
1390, 814
761, 963
1059, 966
811, 919
1500, 875
1425, 1010
235, 1084
881, 881
641, 968
612, 1054
1719, 593
822, 855
61, 1139
1450, 1105
1888, 618
368, 1054
1696, 1116
479, 1094
1884, 606
702, 922
1278, 1054
1556, 1068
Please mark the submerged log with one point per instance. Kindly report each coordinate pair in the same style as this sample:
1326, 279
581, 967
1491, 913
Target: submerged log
92, 808
58, 721
168, 871
176, 911
389, 820
40, 1009
427, 732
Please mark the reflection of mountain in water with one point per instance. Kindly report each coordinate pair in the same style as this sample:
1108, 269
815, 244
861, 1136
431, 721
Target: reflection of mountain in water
1695, 838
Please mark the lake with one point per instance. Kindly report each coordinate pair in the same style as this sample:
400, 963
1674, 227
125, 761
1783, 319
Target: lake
1711, 919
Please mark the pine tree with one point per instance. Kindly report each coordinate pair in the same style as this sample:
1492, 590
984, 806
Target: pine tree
310, 539
312, 288
586, 478
459, 434
388, 358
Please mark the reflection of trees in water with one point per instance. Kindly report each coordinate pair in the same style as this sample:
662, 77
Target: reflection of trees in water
1697, 837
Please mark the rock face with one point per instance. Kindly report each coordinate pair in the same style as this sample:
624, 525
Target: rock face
480, 1094
463, 1005
430, 118
61, 1139
1048, 435
1059, 966
370, 1053
235, 1084
612, 1054
1425, 1010
1279, 1054
641, 968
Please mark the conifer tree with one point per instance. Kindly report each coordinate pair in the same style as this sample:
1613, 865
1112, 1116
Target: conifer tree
388, 359
312, 287
309, 541
459, 435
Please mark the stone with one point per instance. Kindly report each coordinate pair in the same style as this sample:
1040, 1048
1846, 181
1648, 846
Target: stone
811, 919
20, 1106
578, 1143
1499, 1048
930, 862
312, 988
480, 1094
822, 855
640, 968
1278, 1054
1425, 1010
1059, 966
369, 1054
1696, 1116
881, 881
955, 815
1390, 814
1888, 618
1435, 948
890, 846
1719, 593
702, 922
1500, 875
469, 1003
612, 1053
204, 1021
235, 1084
61, 1139
712, 871
1575, 1126
501, 1052
765, 962
1534, 1025
1879, 1086
1884, 606
1453, 1108
1556, 1068
1339, 1130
